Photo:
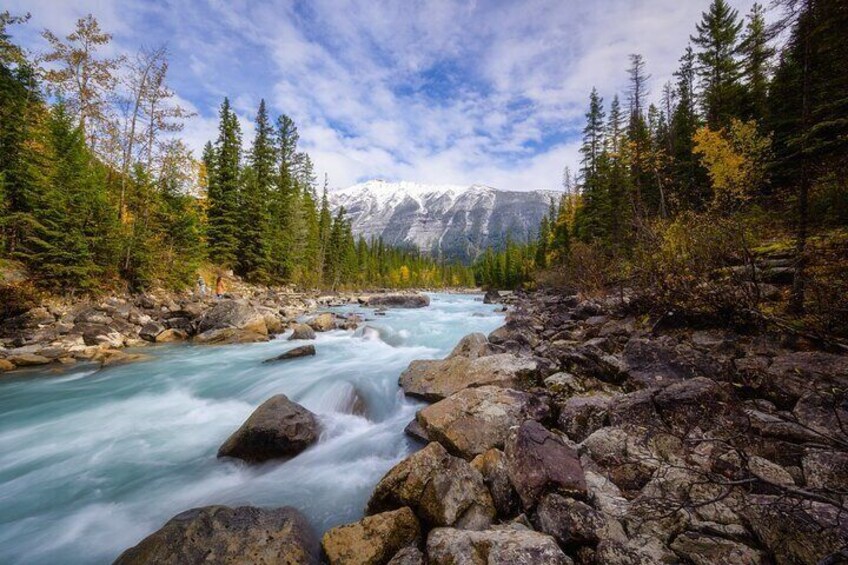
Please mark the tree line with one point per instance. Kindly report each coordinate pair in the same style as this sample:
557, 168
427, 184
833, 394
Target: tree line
753, 127
98, 191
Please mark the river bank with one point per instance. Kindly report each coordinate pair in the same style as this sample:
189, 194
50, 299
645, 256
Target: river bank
64, 332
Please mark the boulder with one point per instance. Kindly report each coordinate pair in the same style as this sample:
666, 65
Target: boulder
492, 466
301, 351
640, 550
449, 546
110, 357
491, 297
225, 336
171, 336
539, 462
628, 462
408, 556
302, 331
374, 540
98, 334
150, 331
238, 314
796, 531
441, 489
27, 360
475, 420
701, 549
6, 365
790, 375
661, 361
570, 521
323, 322
219, 534
826, 470
580, 416
279, 428
825, 413
473, 346
699, 403
434, 380
398, 300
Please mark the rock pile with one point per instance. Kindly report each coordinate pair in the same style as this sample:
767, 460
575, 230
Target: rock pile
574, 434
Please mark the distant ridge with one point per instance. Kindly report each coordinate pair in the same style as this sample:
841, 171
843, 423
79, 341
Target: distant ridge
452, 221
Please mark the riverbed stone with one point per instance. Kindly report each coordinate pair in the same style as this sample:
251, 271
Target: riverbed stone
279, 428
449, 546
150, 331
6, 365
233, 536
702, 549
538, 462
28, 360
302, 331
374, 540
297, 352
474, 420
398, 300
441, 489
437, 379
492, 466
323, 322
171, 336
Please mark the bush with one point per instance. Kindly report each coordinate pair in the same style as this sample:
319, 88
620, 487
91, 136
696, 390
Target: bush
18, 297
698, 266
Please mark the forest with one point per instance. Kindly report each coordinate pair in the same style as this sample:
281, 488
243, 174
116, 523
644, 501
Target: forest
733, 176
99, 193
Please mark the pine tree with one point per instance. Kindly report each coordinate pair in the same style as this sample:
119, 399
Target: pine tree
689, 177
718, 67
757, 55
224, 190
254, 249
638, 136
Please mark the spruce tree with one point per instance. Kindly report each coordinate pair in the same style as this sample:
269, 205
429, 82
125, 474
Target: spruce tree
757, 55
224, 190
254, 249
718, 67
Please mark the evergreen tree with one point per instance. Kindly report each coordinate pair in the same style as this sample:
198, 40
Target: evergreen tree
718, 67
756, 64
254, 249
224, 190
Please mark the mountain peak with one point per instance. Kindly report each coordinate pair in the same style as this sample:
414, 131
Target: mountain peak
453, 221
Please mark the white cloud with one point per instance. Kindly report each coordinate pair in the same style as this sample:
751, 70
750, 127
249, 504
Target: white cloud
445, 91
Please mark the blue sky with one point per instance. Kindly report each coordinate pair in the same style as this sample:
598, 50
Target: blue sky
441, 91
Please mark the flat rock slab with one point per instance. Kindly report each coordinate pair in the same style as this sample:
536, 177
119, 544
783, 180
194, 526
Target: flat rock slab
398, 300
437, 379
302, 351
279, 428
475, 420
219, 534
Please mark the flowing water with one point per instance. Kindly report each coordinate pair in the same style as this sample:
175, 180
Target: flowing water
91, 461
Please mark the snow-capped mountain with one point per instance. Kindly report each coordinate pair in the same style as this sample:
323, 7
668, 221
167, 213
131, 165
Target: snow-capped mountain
456, 222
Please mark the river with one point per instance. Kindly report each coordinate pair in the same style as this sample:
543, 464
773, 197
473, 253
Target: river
91, 461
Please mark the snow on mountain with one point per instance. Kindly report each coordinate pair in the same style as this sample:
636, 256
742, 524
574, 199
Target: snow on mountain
453, 221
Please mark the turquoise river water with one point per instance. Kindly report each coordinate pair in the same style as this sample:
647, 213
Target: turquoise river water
91, 461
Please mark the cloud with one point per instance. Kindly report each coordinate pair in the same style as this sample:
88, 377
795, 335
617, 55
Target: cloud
448, 91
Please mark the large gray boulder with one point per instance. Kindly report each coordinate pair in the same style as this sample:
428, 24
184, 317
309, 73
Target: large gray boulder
441, 489
449, 546
279, 428
219, 534
232, 321
475, 420
437, 379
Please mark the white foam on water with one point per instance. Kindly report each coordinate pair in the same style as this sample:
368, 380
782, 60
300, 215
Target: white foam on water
93, 461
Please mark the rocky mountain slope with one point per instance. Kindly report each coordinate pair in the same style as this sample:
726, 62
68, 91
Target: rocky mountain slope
453, 221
